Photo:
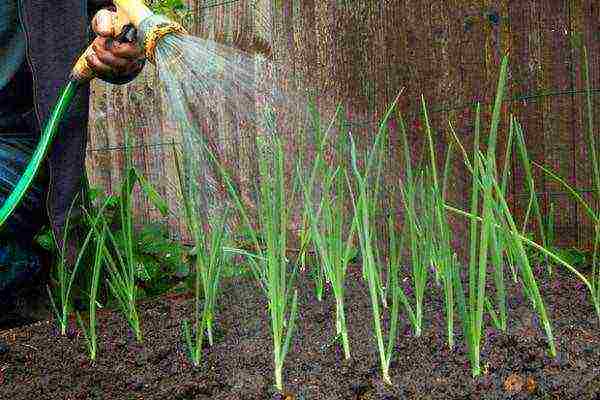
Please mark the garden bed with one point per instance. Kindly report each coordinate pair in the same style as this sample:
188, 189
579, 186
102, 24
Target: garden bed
41, 365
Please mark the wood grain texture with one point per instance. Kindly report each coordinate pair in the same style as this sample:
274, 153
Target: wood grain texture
361, 54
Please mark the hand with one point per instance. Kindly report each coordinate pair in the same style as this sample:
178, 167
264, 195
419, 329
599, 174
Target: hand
113, 61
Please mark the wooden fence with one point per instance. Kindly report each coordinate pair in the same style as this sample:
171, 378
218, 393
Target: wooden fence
362, 53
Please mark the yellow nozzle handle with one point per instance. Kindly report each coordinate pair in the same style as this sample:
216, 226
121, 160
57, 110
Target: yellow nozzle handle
134, 11
129, 13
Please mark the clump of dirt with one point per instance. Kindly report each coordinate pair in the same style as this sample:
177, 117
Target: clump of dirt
39, 364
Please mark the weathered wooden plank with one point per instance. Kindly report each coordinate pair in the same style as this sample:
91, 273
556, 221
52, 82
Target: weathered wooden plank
98, 161
362, 53
554, 20
585, 16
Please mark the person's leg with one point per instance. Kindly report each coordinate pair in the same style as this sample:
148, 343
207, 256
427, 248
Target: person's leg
21, 264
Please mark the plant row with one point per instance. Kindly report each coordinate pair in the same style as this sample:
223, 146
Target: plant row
344, 220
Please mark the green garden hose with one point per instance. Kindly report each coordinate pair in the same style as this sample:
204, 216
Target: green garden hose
129, 15
80, 75
46, 138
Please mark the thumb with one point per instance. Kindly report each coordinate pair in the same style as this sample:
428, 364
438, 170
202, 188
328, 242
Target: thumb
103, 23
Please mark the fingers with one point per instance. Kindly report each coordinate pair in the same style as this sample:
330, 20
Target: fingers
98, 66
109, 58
103, 23
128, 51
103, 53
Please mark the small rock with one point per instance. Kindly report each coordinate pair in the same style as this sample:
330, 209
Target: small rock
282, 396
136, 383
531, 385
142, 358
71, 333
514, 384
4, 349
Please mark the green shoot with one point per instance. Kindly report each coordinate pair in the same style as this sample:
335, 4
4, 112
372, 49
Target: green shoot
121, 261
317, 173
495, 216
333, 246
533, 200
440, 245
66, 277
363, 203
209, 263
415, 227
122, 271
270, 263
90, 334
484, 242
65, 280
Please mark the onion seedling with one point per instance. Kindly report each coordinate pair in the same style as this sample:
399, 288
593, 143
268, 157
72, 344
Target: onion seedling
495, 215
122, 264
499, 249
533, 199
317, 173
517, 247
209, 262
66, 277
483, 241
441, 251
90, 334
415, 231
333, 246
327, 222
270, 263
122, 268
363, 203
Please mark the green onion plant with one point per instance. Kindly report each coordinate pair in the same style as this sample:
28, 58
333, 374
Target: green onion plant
484, 246
121, 261
65, 275
333, 245
328, 224
318, 173
270, 263
122, 267
533, 198
415, 231
441, 253
364, 202
209, 261
90, 333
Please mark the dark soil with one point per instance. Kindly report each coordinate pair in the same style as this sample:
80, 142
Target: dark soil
41, 365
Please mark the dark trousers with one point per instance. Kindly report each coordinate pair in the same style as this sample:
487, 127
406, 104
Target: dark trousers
19, 259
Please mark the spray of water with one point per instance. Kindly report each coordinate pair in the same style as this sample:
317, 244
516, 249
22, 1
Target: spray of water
206, 90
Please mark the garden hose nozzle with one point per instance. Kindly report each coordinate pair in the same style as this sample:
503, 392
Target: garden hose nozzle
130, 16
